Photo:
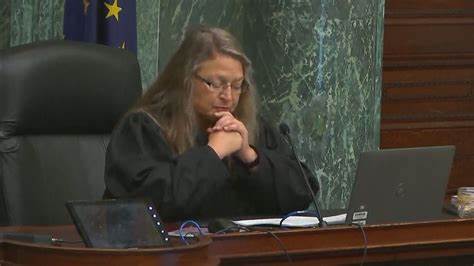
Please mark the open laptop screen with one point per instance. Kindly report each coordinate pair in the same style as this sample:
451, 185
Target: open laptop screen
400, 185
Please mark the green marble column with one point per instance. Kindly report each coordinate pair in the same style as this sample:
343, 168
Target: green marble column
318, 68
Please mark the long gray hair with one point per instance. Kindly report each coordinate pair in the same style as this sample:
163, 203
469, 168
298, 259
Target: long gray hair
169, 99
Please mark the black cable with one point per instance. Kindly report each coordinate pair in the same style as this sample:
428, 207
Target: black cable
280, 243
282, 246
229, 228
364, 254
248, 229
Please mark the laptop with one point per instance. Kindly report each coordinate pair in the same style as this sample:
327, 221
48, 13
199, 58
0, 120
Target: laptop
400, 185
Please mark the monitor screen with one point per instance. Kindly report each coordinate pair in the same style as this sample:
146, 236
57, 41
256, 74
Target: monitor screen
119, 223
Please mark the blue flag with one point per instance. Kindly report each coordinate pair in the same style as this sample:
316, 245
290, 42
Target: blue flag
109, 22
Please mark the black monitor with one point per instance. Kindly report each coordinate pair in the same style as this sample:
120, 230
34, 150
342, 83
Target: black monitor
118, 223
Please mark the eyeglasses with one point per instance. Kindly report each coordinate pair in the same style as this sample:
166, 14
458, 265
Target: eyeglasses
219, 86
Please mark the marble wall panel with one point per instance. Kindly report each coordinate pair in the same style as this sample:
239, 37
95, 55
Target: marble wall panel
31, 20
148, 38
4, 23
318, 69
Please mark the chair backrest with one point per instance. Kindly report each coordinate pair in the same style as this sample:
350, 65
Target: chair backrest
59, 101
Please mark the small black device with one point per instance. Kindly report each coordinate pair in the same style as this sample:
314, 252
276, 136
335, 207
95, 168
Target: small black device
118, 223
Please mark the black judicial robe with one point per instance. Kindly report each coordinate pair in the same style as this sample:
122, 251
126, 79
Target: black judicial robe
197, 184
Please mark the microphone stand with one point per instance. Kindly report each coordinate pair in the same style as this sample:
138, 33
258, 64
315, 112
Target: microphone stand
285, 131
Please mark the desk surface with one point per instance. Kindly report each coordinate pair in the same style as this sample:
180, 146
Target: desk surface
433, 242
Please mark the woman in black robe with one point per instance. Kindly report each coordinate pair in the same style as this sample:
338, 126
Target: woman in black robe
195, 144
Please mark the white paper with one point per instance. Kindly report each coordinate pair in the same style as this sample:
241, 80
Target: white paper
294, 221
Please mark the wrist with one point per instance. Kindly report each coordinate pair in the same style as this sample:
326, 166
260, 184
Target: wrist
247, 155
252, 159
217, 150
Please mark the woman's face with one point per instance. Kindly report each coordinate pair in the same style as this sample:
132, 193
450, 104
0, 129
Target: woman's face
217, 86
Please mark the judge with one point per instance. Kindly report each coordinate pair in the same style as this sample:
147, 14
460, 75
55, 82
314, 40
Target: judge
194, 142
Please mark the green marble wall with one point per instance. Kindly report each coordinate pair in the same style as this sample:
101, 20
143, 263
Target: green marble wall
148, 38
173, 16
317, 65
25, 21
4, 23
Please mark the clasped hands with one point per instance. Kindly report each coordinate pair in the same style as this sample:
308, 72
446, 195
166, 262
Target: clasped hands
230, 136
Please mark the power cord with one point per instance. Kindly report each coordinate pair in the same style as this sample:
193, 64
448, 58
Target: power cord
364, 254
249, 229
282, 246
183, 237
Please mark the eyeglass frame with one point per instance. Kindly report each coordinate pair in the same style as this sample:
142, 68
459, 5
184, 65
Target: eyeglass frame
219, 89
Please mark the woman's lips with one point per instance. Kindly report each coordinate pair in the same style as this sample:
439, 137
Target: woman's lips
221, 109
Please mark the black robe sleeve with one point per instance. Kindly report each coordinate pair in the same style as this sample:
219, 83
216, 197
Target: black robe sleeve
139, 162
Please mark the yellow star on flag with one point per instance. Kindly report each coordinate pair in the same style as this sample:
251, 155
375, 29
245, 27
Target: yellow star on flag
114, 9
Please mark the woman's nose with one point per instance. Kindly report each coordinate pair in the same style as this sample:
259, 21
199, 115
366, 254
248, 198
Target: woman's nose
226, 92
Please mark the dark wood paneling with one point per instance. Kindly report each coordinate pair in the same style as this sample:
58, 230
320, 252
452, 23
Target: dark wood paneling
407, 36
432, 134
447, 242
428, 90
428, 76
428, 6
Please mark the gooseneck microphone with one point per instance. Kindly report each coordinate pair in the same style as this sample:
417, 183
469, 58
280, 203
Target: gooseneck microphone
285, 131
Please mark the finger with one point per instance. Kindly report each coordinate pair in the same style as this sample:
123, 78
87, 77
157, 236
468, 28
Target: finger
239, 127
224, 113
212, 129
237, 124
232, 127
224, 121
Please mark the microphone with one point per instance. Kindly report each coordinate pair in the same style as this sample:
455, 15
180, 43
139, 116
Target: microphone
285, 131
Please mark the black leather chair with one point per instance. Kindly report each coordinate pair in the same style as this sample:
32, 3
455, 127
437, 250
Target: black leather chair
59, 101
